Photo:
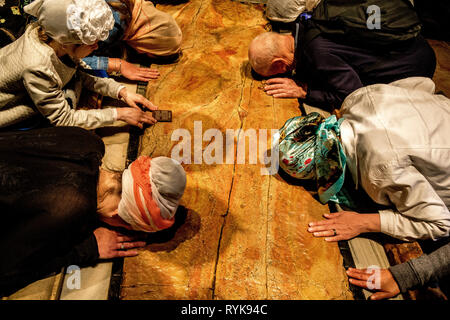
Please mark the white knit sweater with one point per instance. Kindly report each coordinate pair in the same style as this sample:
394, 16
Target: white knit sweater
32, 78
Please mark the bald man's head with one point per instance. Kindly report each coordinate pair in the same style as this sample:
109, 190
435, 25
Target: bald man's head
271, 53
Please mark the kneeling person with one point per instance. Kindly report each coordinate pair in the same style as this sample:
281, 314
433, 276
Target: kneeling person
54, 197
38, 70
322, 68
394, 141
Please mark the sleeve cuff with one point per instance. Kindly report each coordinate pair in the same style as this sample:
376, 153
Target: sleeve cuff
387, 221
86, 252
114, 114
118, 90
405, 276
103, 63
424, 269
97, 63
413, 273
92, 62
308, 92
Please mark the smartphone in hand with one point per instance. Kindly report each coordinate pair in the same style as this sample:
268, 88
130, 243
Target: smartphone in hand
162, 115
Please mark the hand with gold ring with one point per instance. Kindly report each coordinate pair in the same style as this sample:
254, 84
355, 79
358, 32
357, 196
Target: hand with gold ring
112, 244
344, 225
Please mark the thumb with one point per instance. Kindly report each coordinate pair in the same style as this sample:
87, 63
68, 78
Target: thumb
132, 119
333, 215
381, 295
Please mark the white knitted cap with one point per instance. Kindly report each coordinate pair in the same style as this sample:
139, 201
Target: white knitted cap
73, 21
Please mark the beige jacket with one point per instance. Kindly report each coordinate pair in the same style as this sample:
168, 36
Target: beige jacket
32, 78
397, 141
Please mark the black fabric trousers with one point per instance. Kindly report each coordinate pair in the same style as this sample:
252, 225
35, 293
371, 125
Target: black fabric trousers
48, 201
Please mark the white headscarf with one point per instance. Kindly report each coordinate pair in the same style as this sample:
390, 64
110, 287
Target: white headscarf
73, 21
162, 180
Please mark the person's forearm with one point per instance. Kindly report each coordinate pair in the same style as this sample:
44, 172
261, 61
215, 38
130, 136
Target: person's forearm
114, 65
420, 271
370, 222
440, 260
104, 86
423, 221
82, 254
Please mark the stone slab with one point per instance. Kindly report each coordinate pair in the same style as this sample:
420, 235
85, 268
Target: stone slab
245, 235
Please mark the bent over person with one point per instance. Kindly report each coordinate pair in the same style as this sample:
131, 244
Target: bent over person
41, 72
53, 196
394, 141
144, 28
322, 66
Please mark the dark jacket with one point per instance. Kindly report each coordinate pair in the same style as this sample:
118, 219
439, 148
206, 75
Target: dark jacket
334, 70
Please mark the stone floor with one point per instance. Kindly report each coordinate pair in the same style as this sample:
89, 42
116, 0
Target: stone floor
244, 235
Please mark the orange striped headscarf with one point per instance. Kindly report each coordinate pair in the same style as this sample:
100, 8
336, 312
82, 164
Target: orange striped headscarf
151, 190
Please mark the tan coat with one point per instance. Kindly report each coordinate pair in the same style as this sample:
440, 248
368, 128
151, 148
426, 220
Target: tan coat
32, 79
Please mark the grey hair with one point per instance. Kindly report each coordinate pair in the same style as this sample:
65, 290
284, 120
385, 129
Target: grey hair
263, 49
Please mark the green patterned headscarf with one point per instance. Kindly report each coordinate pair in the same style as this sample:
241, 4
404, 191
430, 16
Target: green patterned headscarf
310, 149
